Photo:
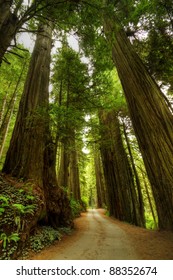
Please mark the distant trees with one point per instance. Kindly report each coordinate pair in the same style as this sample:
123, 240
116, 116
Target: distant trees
70, 87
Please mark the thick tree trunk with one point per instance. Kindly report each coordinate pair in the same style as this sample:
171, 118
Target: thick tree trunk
57, 202
118, 174
25, 155
63, 172
4, 11
31, 154
8, 31
151, 119
10, 22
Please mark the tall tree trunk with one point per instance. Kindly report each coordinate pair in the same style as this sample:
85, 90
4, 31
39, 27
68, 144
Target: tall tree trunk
7, 33
31, 154
10, 22
149, 198
117, 171
2, 111
151, 119
74, 169
63, 172
5, 126
101, 200
138, 185
24, 157
4, 11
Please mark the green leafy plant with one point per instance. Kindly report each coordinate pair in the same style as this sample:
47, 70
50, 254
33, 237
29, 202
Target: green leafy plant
14, 237
66, 230
4, 202
4, 239
44, 237
30, 197
21, 190
75, 207
19, 207
19, 223
22, 209
29, 209
2, 210
150, 224
7, 239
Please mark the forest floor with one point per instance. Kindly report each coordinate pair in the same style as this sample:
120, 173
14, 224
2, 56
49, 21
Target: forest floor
97, 236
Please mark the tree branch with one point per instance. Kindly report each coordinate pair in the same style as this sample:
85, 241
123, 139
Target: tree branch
15, 53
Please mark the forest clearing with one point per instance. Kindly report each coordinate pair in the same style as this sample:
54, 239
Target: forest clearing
86, 123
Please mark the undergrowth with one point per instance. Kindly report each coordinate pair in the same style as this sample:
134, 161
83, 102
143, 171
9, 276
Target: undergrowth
18, 206
77, 207
43, 237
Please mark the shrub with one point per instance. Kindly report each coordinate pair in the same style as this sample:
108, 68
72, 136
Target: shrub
44, 237
75, 207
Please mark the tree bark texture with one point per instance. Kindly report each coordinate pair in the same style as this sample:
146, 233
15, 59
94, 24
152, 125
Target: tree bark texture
63, 172
4, 11
101, 200
151, 119
25, 157
140, 200
74, 169
117, 171
9, 25
31, 154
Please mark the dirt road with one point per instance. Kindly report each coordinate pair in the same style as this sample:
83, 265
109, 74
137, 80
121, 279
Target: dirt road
95, 238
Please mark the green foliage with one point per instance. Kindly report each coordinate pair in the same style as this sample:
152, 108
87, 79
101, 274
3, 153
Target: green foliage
19, 206
4, 202
44, 237
107, 213
65, 230
75, 207
150, 224
22, 209
19, 223
85, 201
7, 239
12, 78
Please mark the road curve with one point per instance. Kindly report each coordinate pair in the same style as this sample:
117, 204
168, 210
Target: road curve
97, 238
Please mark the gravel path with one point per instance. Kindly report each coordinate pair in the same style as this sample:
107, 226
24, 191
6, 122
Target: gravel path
96, 238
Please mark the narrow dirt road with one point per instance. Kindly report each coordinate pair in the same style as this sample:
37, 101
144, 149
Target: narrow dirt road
96, 238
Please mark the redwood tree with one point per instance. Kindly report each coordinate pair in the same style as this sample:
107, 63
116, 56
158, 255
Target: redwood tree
31, 152
150, 115
100, 187
122, 196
